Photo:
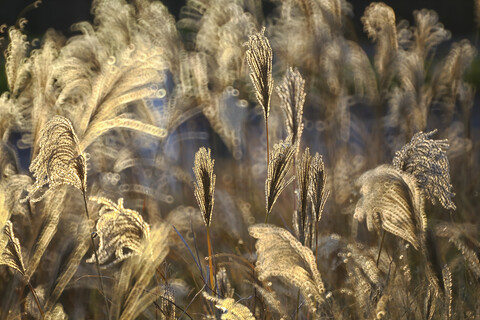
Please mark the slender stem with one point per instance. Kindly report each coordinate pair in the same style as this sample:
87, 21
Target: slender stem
210, 262
268, 158
96, 258
380, 249
294, 183
254, 298
316, 241
36, 299
268, 149
254, 288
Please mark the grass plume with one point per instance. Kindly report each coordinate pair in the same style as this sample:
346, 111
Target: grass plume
281, 255
427, 161
278, 167
204, 193
59, 160
259, 58
292, 94
391, 201
121, 232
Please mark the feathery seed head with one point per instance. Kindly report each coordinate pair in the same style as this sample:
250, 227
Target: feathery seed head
390, 200
292, 94
302, 220
379, 22
428, 32
317, 192
426, 159
59, 160
121, 232
259, 58
11, 250
231, 310
378, 19
311, 185
205, 183
280, 163
281, 255
14, 59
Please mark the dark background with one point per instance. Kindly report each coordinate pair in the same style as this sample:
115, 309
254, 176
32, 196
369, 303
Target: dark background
456, 15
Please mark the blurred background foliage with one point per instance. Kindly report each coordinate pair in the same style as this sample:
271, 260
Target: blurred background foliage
457, 16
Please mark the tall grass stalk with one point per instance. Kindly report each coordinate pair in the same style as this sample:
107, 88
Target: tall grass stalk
210, 261
37, 301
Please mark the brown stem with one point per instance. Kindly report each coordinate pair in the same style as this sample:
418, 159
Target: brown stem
210, 262
268, 149
268, 158
294, 183
316, 241
32, 290
96, 258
